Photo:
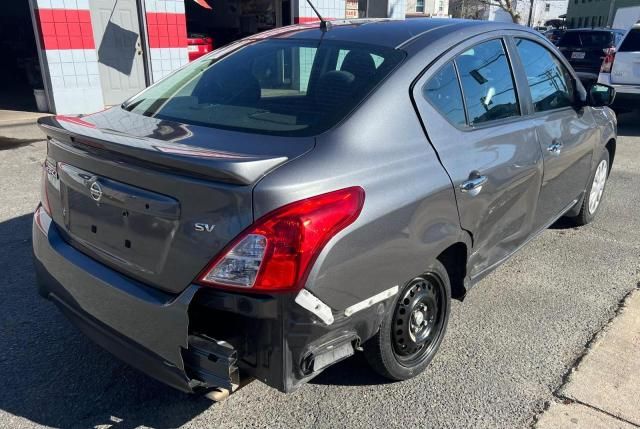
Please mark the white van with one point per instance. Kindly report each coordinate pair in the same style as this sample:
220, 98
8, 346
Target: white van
621, 69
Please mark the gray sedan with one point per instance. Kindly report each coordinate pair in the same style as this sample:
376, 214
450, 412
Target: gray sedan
311, 192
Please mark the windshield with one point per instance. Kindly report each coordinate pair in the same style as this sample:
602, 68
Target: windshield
280, 87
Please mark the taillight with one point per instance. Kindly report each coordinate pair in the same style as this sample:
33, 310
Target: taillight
607, 63
276, 253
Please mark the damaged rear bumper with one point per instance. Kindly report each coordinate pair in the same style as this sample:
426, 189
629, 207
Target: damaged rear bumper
200, 339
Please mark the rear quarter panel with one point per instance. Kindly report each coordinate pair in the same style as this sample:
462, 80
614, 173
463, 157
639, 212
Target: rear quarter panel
409, 215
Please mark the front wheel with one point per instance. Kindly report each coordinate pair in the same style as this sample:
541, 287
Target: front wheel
413, 328
594, 193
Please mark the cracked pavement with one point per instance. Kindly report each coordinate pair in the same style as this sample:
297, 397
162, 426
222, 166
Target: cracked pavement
507, 348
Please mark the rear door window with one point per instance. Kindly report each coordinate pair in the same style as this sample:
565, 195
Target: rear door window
443, 92
631, 43
596, 39
587, 39
571, 39
487, 83
550, 83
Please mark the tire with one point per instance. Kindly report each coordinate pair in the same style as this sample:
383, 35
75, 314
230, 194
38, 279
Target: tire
592, 200
391, 352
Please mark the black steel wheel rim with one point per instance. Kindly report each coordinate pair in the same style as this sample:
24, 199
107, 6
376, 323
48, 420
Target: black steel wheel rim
418, 320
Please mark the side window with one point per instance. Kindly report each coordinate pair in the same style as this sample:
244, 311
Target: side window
443, 92
487, 83
632, 41
550, 82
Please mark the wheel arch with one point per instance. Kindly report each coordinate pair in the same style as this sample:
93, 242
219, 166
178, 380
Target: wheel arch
611, 148
454, 258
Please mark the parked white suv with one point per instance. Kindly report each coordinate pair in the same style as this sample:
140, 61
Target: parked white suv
621, 69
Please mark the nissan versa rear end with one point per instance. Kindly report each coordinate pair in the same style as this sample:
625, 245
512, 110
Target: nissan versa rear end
295, 197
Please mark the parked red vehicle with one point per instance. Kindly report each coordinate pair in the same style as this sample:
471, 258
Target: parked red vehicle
199, 45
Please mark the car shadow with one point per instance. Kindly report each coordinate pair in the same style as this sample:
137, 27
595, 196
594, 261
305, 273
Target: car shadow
353, 371
54, 376
629, 124
563, 223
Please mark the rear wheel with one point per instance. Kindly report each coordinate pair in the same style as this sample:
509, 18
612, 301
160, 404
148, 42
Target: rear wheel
594, 193
413, 328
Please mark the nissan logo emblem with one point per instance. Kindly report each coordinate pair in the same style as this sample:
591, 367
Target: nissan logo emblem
96, 191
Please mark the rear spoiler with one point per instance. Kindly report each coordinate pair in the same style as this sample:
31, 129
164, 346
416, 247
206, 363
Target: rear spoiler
206, 163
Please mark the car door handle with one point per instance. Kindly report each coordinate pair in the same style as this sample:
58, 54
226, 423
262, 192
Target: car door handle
555, 147
474, 185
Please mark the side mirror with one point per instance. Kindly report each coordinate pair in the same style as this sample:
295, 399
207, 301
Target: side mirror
601, 95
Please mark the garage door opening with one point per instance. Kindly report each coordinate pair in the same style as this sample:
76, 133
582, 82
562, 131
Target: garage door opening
224, 21
20, 72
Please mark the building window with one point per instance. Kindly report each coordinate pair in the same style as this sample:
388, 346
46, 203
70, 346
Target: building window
420, 6
579, 22
441, 6
547, 7
599, 21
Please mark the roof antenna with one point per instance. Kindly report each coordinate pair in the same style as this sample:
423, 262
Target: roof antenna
324, 24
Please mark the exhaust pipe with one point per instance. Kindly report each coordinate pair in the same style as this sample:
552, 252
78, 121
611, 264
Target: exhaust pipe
218, 395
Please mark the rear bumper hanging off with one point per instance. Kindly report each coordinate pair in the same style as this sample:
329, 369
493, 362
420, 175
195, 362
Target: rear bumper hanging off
201, 338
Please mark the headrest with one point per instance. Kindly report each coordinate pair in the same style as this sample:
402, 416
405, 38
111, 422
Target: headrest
359, 63
333, 87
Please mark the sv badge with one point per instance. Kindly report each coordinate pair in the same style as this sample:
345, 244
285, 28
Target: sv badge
203, 227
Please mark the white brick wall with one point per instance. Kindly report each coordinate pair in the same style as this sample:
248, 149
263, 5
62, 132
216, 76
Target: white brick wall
327, 8
75, 81
166, 60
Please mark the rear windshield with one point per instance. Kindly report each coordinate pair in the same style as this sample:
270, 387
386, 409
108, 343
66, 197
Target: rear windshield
279, 87
631, 43
586, 39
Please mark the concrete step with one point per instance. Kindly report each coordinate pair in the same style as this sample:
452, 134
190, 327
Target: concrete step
18, 128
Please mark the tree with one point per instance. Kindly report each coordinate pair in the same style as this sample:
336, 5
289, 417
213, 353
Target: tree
468, 9
508, 6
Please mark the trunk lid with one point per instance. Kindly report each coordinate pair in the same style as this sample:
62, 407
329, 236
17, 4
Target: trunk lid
154, 199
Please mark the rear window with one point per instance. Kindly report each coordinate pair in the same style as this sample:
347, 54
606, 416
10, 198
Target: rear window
570, 39
279, 87
631, 43
587, 39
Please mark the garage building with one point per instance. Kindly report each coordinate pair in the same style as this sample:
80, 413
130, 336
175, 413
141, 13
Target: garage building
83, 55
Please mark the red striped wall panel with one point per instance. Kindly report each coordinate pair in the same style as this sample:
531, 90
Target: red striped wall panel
65, 29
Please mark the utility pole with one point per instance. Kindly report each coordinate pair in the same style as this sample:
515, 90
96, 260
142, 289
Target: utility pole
610, 17
531, 2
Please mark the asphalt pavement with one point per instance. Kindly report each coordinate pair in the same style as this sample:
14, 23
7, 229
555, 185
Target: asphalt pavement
508, 349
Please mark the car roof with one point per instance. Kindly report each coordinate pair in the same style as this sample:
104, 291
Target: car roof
392, 33
602, 30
